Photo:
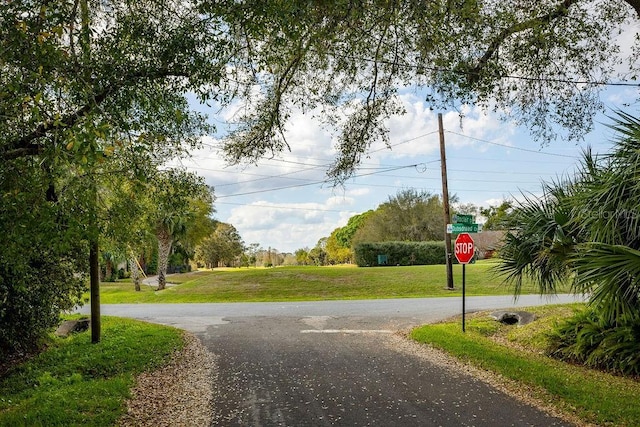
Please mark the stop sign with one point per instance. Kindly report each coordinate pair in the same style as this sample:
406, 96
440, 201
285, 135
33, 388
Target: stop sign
464, 248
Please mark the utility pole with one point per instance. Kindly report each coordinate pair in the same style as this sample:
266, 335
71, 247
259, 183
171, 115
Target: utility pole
94, 250
445, 204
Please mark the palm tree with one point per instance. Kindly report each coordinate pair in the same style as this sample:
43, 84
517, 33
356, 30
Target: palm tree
179, 199
543, 237
109, 261
607, 264
169, 228
586, 230
135, 271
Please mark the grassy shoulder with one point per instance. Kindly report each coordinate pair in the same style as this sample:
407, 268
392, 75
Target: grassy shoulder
75, 382
308, 283
516, 353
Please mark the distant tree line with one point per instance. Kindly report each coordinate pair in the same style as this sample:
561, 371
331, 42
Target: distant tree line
410, 215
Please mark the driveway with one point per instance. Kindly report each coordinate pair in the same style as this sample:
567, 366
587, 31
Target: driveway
339, 363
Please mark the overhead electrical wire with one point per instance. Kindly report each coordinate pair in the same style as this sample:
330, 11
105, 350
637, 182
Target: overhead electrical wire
378, 170
325, 181
500, 76
510, 146
388, 147
295, 208
329, 161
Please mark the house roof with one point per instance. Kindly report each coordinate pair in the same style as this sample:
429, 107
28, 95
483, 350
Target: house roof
488, 240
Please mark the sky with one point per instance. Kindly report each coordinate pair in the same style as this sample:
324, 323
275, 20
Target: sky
285, 202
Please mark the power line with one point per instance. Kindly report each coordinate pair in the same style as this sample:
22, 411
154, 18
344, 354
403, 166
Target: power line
284, 160
265, 177
310, 183
507, 160
378, 170
511, 147
438, 191
402, 142
297, 208
329, 161
499, 76
462, 180
494, 172
383, 174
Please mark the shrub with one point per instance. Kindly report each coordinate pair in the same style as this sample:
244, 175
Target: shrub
587, 340
400, 253
32, 297
43, 255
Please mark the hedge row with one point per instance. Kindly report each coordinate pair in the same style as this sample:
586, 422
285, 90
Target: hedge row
399, 253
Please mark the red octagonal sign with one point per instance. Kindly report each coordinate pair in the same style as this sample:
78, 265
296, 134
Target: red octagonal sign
464, 248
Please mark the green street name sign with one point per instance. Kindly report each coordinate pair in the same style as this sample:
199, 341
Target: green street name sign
464, 228
463, 219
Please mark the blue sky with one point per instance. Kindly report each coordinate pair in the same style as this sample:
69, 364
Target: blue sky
282, 202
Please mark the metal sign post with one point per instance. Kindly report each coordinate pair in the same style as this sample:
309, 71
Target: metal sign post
463, 296
464, 251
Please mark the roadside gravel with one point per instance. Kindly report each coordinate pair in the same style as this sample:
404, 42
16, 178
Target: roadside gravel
178, 394
528, 395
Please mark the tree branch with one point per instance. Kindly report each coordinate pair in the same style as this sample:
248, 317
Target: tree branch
27, 145
25, 151
635, 4
559, 12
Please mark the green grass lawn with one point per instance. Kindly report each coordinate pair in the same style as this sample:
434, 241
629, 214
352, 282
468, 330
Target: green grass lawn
593, 396
313, 283
74, 382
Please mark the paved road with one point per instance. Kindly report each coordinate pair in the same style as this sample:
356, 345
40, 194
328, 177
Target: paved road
274, 372
402, 313
337, 363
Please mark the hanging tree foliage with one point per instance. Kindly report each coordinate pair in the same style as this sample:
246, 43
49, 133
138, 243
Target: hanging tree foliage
537, 63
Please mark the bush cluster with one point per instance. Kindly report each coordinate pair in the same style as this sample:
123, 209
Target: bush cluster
399, 253
32, 295
585, 339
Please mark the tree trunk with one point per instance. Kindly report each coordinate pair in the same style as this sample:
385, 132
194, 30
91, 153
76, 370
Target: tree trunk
135, 273
108, 275
164, 248
94, 269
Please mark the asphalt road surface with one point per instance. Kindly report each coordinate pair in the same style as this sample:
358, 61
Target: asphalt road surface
339, 363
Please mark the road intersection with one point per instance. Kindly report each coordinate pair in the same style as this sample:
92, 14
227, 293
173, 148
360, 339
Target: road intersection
339, 363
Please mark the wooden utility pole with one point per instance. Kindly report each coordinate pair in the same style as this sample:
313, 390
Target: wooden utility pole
445, 204
94, 274
94, 250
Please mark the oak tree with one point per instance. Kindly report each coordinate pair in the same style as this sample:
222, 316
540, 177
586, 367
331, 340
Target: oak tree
86, 80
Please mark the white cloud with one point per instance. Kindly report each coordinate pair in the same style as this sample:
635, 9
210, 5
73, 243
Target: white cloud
494, 202
337, 201
618, 99
308, 209
355, 192
415, 134
287, 227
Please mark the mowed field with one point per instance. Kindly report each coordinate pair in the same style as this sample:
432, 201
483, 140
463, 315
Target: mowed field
308, 283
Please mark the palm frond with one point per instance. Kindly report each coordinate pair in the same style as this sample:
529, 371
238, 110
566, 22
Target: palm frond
611, 274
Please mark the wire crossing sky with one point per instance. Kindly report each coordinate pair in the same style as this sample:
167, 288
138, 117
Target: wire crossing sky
287, 202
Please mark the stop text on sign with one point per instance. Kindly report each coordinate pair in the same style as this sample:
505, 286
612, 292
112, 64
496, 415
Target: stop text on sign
464, 248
